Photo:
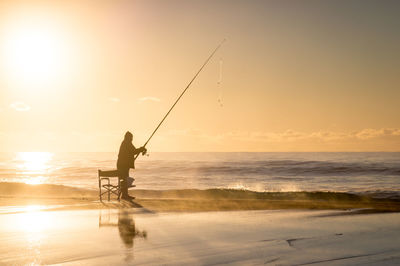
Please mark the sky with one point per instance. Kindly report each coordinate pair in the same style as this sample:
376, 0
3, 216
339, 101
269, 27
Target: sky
292, 75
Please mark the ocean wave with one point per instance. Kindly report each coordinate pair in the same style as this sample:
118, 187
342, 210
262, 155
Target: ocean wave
52, 190
43, 190
261, 172
287, 167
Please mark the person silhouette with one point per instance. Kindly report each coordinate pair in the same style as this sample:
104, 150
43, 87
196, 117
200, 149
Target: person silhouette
126, 161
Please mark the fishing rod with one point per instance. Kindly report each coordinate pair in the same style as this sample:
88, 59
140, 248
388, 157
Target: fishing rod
180, 96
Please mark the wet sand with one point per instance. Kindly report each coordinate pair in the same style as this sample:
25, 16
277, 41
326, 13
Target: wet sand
135, 236
54, 224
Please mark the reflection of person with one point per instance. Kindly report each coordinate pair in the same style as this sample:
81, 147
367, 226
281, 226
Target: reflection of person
127, 229
126, 160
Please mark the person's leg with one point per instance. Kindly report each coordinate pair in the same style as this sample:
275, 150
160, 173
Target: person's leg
123, 175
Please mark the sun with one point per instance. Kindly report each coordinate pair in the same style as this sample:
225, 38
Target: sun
34, 53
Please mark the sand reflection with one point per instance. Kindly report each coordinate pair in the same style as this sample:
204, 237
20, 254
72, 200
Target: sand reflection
34, 222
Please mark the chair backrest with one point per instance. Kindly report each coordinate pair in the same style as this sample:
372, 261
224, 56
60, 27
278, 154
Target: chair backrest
111, 173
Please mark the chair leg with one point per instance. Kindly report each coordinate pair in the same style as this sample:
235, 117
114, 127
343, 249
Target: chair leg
119, 189
99, 188
98, 172
109, 190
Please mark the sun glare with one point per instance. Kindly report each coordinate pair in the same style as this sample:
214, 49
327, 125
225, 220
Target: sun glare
35, 161
34, 166
34, 53
34, 219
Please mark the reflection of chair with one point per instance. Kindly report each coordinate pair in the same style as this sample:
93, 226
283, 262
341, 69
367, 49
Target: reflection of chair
107, 217
110, 188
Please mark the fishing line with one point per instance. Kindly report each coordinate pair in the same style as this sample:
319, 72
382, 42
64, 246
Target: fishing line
219, 83
183, 92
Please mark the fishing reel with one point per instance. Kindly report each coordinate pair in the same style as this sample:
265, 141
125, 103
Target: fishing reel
144, 152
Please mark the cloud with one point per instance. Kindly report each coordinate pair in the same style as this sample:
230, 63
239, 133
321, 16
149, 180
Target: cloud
295, 136
114, 99
370, 133
20, 106
149, 98
381, 139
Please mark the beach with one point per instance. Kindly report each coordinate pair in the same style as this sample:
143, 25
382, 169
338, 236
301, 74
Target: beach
63, 225
138, 236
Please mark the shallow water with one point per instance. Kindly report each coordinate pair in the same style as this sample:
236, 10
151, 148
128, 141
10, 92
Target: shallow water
344, 172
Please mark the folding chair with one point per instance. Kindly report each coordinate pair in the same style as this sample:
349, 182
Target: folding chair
110, 188
104, 177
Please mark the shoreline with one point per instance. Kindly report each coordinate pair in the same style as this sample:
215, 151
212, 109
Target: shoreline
192, 200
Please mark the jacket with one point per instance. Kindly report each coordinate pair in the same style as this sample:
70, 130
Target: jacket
126, 155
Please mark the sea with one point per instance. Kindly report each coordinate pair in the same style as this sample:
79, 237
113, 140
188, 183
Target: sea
355, 172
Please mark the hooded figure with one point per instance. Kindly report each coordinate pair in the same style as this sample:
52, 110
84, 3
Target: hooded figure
126, 160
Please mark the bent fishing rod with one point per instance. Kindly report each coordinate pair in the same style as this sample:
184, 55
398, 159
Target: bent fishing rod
180, 96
